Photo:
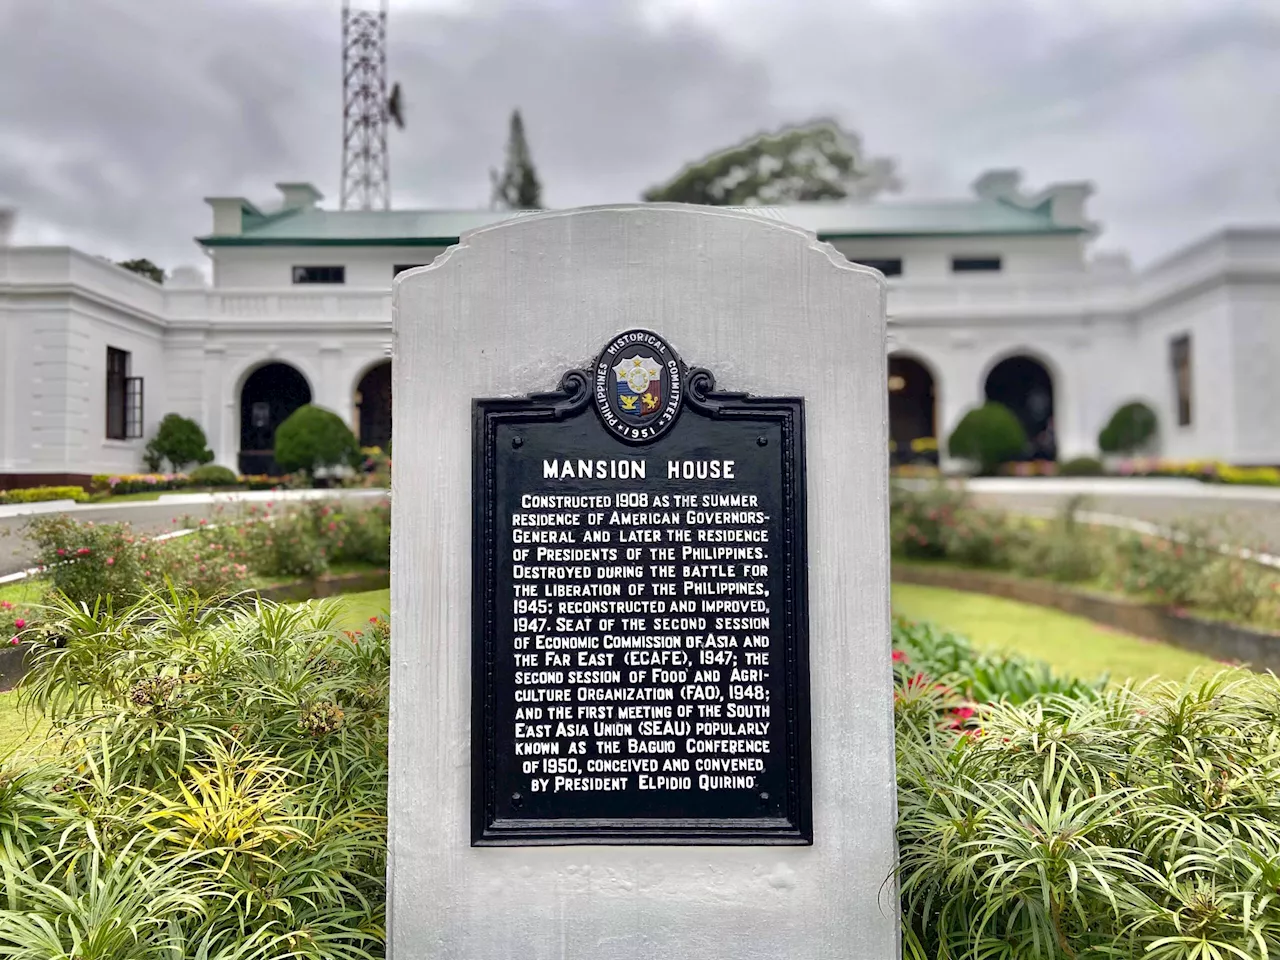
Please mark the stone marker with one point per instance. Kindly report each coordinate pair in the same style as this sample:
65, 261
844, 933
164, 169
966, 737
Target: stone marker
641, 688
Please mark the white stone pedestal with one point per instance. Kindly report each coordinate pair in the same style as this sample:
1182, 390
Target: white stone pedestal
772, 312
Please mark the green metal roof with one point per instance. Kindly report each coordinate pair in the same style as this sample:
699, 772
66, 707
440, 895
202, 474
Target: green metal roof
830, 221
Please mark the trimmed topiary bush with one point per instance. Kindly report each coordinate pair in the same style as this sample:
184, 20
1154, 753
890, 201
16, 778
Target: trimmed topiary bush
313, 437
988, 436
180, 441
214, 475
43, 494
1082, 467
1131, 429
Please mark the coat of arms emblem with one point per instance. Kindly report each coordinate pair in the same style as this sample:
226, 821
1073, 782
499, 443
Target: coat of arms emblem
638, 386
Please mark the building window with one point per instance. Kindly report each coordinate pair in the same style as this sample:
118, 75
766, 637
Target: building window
124, 398
1180, 358
319, 274
402, 267
890, 268
975, 264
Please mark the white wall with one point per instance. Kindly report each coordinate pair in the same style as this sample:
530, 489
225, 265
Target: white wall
1105, 340
61, 311
369, 267
929, 258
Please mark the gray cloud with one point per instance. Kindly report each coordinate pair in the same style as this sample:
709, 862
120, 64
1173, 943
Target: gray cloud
118, 117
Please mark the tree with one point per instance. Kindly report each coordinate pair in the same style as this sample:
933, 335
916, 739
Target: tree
180, 441
813, 161
1131, 429
517, 188
144, 268
988, 435
312, 437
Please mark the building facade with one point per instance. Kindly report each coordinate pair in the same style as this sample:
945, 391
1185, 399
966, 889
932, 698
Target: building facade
990, 297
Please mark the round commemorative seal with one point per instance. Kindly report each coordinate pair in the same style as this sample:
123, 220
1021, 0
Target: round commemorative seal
638, 386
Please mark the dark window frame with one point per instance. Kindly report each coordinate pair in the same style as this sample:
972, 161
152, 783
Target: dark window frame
117, 380
894, 265
1180, 360
320, 274
400, 268
133, 408
989, 264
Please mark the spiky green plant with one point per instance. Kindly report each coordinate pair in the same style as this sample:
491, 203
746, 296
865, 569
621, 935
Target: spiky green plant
216, 790
1138, 822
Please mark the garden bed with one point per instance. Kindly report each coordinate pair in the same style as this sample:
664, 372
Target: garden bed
1229, 642
13, 659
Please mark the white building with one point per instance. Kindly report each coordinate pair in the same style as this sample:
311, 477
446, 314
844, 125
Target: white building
991, 297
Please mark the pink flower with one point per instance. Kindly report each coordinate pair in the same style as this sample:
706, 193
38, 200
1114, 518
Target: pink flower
203, 522
83, 552
19, 623
14, 642
111, 561
899, 656
62, 552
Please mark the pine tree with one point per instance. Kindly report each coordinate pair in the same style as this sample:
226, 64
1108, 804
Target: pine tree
517, 188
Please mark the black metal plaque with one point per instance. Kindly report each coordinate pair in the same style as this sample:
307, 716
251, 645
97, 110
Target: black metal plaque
640, 610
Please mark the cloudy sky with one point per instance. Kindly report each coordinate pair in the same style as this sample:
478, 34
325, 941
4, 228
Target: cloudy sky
118, 116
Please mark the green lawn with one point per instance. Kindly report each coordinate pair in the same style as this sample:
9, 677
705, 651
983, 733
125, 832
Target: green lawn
19, 730
1073, 645
359, 607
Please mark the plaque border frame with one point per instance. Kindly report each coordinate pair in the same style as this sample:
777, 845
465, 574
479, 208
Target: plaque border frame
573, 398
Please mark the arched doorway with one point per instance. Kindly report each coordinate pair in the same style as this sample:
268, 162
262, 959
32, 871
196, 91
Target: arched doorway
268, 396
1024, 385
373, 400
912, 411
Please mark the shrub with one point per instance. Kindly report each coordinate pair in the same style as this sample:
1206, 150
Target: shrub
180, 441
917, 519
1132, 823
1064, 550
1131, 429
313, 437
988, 436
17, 620
214, 475
950, 660
1170, 570
364, 536
1082, 467
210, 562
86, 561
979, 538
41, 494
260, 481
218, 790
139, 482
290, 543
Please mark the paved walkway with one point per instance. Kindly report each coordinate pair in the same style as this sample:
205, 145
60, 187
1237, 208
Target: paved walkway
146, 516
1248, 516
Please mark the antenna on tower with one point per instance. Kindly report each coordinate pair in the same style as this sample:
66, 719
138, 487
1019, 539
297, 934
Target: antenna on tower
366, 109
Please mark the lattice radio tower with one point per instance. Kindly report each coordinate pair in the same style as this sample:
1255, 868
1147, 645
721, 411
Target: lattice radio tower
366, 109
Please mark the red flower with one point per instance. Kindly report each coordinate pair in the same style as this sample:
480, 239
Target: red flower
899, 657
61, 552
19, 624
962, 713
83, 552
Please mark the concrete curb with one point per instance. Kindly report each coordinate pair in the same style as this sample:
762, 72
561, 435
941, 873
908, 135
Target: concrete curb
1258, 650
